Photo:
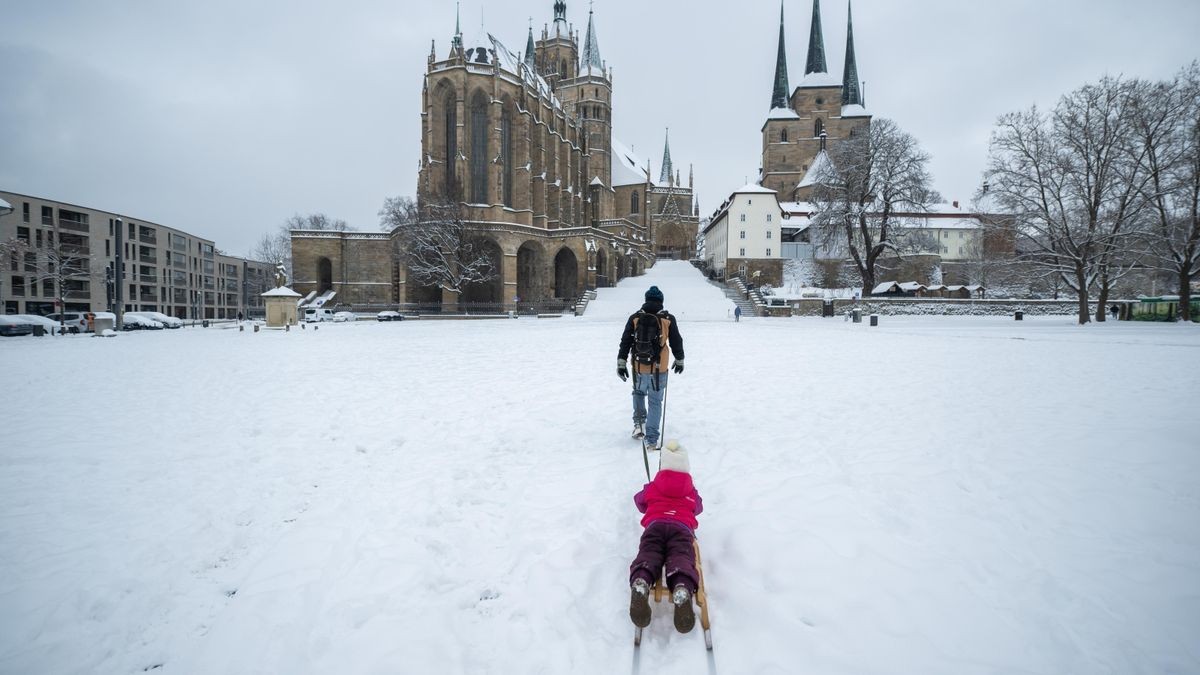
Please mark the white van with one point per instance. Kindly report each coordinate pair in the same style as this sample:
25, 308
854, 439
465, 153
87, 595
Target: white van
313, 314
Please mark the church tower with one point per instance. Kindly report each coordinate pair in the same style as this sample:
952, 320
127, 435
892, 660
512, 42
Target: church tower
587, 95
822, 111
557, 53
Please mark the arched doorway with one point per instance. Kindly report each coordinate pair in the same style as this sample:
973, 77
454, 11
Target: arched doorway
324, 275
566, 274
621, 269
531, 282
602, 280
490, 291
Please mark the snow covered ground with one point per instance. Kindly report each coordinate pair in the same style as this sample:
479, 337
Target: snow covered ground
935, 495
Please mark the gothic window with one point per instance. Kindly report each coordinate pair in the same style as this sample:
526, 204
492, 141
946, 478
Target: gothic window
783, 135
562, 68
818, 127
506, 158
450, 131
479, 153
634, 202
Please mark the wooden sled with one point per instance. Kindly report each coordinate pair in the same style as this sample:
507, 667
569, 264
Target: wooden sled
701, 601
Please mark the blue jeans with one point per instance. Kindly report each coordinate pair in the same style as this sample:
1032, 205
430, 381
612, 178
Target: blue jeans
643, 388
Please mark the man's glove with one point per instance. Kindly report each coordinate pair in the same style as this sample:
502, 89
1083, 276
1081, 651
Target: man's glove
678, 367
622, 370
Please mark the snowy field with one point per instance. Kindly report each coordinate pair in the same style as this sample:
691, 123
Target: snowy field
935, 496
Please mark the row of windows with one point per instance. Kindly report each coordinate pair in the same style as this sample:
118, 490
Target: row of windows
744, 234
818, 129
742, 253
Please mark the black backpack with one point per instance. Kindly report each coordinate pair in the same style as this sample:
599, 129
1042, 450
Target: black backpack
647, 338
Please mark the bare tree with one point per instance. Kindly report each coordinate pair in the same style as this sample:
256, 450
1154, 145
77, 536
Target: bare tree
277, 247
398, 212
1071, 180
1167, 124
62, 266
440, 248
871, 178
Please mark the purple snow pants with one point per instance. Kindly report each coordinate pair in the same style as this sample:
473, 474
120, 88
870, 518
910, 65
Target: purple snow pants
670, 543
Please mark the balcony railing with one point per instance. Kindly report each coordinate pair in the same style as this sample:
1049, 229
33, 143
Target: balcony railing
73, 225
150, 238
179, 263
148, 278
78, 295
148, 297
148, 259
75, 250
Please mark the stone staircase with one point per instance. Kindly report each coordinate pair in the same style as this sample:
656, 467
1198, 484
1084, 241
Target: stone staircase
735, 290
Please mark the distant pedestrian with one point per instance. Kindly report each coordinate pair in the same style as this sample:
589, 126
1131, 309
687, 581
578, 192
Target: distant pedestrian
737, 313
1114, 310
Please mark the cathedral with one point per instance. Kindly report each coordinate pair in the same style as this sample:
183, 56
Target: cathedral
821, 111
524, 142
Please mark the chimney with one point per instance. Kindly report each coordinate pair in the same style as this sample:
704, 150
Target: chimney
956, 204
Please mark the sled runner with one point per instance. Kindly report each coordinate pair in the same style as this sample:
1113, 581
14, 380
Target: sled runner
701, 598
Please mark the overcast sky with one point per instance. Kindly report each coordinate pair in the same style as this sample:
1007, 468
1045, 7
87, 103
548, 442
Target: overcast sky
225, 117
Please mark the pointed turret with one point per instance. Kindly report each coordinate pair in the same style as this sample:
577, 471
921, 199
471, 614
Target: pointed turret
667, 173
530, 50
560, 17
591, 48
816, 44
457, 43
779, 96
851, 94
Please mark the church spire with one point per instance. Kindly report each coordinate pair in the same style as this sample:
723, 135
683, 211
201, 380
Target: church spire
667, 174
591, 47
816, 44
456, 44
530, 56
851, 95
779, 96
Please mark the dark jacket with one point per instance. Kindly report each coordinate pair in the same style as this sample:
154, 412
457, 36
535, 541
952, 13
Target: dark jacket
670, 327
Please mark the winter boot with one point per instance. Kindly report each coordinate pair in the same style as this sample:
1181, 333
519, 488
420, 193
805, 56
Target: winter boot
685, 615
639, 603
639, 430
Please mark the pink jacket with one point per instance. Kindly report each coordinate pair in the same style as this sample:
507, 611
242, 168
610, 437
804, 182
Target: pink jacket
670, 496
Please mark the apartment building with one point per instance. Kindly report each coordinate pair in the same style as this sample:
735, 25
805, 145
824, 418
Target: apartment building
164, 269
743, 236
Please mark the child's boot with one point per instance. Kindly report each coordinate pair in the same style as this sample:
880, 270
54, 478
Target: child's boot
639, 603
685, 615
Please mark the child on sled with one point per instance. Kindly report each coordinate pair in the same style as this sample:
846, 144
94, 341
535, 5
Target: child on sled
671, 504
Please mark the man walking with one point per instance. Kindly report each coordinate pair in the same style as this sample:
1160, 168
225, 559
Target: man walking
651, 335
737, 313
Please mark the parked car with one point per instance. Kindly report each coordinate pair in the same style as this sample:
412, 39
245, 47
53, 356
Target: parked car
166, 321
314, 314
76, 322
389, 315
11, 326
50, 325
135, 321
345, 316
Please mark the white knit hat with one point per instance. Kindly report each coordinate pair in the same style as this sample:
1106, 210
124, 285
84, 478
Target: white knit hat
674, 458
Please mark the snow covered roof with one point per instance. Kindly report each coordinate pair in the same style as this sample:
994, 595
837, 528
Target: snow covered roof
754, 189
782, 114
854, 110
820, 80
477, 51
597, 182
281, 292
822, 167
5, 205
626, 166
911, 286
884, 287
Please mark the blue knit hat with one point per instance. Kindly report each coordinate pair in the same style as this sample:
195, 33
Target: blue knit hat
654, 294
